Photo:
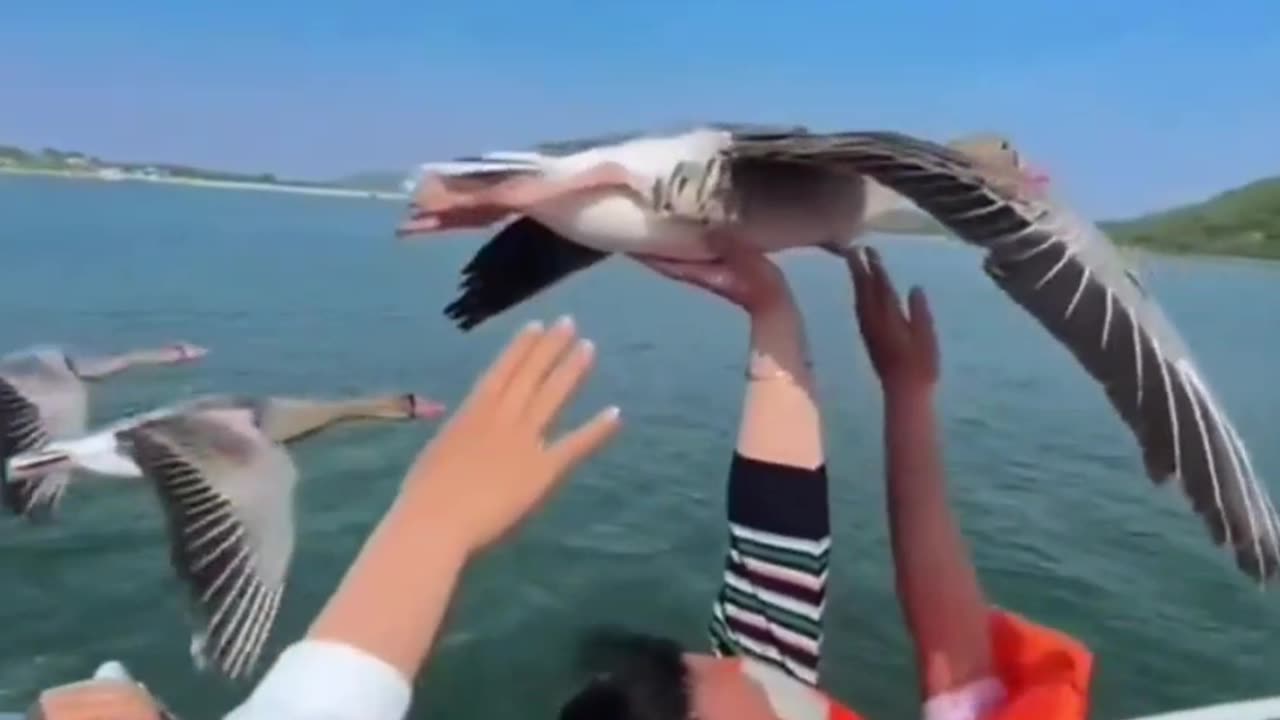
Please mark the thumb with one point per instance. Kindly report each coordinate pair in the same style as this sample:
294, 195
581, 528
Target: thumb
112, 670
582, 442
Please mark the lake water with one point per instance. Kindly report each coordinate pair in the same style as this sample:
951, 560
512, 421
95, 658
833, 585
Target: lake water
300, 294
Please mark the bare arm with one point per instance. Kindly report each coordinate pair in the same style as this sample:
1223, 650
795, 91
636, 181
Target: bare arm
393, 600
938, 587
780, 418
485, 471
770, 604
781, 421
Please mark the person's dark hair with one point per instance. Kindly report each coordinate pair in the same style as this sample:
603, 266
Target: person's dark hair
635, 677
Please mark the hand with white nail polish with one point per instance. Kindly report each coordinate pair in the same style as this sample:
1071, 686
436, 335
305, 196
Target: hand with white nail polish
489, 467
493, 462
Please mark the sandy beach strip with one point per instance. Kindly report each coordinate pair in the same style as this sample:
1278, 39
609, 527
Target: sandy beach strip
217, 184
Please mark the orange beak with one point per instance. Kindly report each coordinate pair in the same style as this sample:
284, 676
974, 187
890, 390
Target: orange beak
424, 408
1038, 178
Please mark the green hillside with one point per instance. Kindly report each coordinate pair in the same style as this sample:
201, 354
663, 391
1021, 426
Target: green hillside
1244, 222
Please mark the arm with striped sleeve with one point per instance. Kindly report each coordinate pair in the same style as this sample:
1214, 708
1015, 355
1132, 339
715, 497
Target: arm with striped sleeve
773, 595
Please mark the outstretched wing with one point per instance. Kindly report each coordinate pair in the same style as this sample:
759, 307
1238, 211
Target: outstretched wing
228, 495
45, 379
559, 148
523, 259
1071, 278
21, 430
41, 399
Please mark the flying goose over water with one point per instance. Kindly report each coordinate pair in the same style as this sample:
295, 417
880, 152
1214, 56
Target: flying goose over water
578, 202
739, 186
221, 470
44, 393
1071, 278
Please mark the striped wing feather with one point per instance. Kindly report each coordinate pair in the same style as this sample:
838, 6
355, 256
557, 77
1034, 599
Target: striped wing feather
20, 426
42, 399
227, 494
21, 430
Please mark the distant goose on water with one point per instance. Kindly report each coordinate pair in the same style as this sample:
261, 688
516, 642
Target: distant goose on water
221, 470
44, 396
802, 188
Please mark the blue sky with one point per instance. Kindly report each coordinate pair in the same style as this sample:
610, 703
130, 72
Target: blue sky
1132, 104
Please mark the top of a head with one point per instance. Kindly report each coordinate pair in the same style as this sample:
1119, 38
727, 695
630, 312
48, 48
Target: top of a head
601, 699
636, 677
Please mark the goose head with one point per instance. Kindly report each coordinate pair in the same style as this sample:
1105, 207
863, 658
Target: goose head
998, 154
404, 406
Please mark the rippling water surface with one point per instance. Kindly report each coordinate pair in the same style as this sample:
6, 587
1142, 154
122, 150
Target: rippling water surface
301, 294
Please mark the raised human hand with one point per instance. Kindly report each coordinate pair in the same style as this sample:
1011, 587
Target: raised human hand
902, 346
494, 460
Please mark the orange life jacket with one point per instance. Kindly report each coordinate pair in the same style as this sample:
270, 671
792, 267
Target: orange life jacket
1045, 674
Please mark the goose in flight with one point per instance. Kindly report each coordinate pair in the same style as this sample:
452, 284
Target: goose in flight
1058, 267
1072, 279
44, 393
575, 203
221, 471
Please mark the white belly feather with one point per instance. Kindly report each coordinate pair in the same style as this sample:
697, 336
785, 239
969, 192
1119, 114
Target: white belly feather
613, 221
99, 453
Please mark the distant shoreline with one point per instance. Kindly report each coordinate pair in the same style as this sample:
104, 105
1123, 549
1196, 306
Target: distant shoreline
95, 176
1128, 248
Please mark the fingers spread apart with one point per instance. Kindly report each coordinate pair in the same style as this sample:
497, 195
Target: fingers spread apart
547, 352
494, 380
537, 375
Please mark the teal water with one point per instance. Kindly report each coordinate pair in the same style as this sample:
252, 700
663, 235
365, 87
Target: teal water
299, 294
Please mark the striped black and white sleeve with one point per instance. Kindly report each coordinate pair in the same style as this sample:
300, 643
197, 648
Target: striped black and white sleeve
772, 599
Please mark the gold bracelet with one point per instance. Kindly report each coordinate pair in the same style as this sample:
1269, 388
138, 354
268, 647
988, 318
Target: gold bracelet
775, 372
778, 374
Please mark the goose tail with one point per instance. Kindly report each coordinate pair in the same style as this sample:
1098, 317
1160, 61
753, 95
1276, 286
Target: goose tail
33, 483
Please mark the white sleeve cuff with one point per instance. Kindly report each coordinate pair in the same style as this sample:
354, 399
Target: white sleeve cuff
320, 680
